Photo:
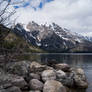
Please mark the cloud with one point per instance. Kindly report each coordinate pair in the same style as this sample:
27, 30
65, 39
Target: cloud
35, 4
75, 15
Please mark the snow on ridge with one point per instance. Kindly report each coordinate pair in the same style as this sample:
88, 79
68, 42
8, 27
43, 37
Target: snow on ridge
88, 34
38, 44
65, 38
25, 27
63, 33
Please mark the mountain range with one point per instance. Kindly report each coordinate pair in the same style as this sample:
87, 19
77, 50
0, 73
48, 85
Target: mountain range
53, 38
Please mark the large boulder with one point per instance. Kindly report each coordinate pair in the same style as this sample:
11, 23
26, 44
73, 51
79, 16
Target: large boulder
20, 68
3, 90
53, 86
8, 80
60, 74
63, 67
48, 75
13, 89
36, 84
68, 80
64, 78
80, 78
5, 81
36, 67
81, 73
34, 76
18, 81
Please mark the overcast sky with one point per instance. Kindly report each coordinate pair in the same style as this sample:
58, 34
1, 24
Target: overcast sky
75, 15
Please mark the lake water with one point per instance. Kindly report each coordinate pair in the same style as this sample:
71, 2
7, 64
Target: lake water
74, 59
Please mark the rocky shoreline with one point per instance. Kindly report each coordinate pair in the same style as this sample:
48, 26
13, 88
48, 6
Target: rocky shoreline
26, 76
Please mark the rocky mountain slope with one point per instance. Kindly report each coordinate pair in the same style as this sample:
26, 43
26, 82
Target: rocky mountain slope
13, 43
53, 38
89, 38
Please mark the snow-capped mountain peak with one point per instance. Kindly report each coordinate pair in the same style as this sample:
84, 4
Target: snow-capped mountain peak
51, 37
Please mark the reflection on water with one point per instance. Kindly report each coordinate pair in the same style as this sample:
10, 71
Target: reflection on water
76, 60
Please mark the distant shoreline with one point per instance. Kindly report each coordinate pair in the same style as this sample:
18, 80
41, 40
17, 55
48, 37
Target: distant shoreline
61, 53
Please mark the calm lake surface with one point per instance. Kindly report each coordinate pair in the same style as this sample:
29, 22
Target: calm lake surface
74, 59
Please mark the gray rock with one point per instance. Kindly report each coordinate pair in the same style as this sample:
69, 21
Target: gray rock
3, 90
79, 78
36, 84
67, 82
5, 81
53, 86
80, 73
34, 76
19, 68
79, 83
13, 89
36, 67
35, 91
60, 74
65, 79
8, 80
18, 81
48, 75
64, 67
